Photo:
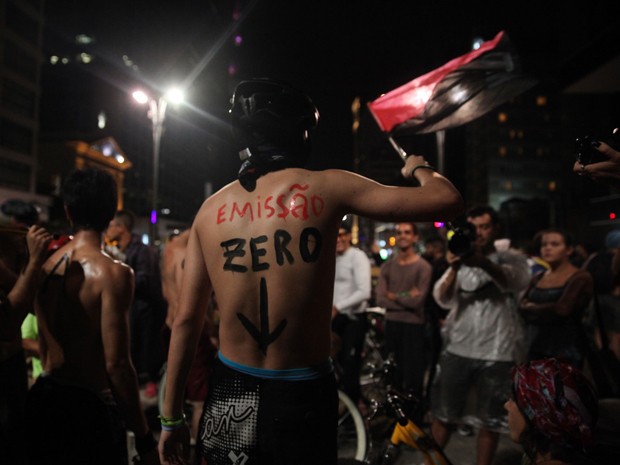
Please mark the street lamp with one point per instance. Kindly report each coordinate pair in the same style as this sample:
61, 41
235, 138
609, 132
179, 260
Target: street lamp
157, 114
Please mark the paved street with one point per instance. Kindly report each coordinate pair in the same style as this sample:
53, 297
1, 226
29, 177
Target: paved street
461, 450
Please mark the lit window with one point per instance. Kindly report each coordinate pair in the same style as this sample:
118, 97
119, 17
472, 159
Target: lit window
83, 39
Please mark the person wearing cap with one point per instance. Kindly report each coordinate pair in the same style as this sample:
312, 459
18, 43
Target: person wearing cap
552, 413
266, 246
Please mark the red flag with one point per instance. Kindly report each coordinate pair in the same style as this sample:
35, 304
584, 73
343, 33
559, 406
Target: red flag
460, 91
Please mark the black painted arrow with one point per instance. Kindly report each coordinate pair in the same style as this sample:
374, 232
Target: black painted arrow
263, 337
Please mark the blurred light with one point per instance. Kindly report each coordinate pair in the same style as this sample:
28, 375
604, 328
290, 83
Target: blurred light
476, 43
238, 40
175, 95
85, 57
383, 254
145, 239
232, 69
101, 120
392, 241
541, 100
140, 96
83, 39
552, 186
54, 59
64, 61
612, 215
502, 117
165, 211
107, 150
438, 224
119, 158
382, 243
153, 217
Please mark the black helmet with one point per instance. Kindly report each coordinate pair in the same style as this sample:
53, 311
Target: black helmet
270, 112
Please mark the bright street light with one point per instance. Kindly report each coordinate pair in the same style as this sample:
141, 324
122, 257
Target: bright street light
157, 114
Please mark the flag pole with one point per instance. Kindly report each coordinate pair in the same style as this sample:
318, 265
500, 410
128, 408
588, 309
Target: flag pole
398, 148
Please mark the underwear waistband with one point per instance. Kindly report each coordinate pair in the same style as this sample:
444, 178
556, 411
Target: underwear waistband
292, 374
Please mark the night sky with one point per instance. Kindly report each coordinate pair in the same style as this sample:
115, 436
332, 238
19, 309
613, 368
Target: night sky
333, 50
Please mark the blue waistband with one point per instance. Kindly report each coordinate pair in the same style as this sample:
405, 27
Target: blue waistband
292, 374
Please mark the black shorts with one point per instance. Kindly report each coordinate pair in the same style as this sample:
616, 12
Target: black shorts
72, 425
253, 420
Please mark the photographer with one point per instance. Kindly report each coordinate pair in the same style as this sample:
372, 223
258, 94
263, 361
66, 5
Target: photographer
602, 161
479, 288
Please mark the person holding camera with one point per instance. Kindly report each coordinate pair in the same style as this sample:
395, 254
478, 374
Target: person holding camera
483, 331
599, 160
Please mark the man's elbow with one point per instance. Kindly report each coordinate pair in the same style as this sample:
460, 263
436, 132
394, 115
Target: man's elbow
453, 204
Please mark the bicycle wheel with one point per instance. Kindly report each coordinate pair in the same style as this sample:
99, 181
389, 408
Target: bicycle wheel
352, 433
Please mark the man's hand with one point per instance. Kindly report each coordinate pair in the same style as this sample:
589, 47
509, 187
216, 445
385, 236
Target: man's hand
174, 446
607, 171
453, 260
37, 240
411, 162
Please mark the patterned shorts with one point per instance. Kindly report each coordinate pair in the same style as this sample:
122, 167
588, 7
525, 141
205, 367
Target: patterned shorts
248, 420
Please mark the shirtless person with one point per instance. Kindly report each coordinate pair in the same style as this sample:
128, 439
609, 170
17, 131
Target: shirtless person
77, 408
173, 263
266, 245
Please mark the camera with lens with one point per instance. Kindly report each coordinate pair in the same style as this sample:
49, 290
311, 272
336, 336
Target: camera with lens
461, 242
585, 148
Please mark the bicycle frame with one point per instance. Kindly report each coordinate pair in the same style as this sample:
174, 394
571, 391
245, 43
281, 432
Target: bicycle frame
414, 437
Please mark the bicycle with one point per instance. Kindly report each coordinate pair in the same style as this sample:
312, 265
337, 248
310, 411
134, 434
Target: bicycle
403, 431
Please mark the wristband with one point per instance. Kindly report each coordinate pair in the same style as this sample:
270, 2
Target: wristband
171, 422
424, 166
145, 444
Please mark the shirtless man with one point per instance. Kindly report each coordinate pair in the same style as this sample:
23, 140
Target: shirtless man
77, 408
266, 245
173, 263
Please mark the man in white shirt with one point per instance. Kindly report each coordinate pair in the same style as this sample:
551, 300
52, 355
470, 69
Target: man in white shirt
352, 287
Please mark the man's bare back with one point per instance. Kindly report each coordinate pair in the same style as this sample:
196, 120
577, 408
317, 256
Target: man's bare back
82, 310
172, 272
84, 295
273, 271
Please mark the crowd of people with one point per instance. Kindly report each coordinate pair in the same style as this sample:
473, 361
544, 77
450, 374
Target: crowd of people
481, 335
